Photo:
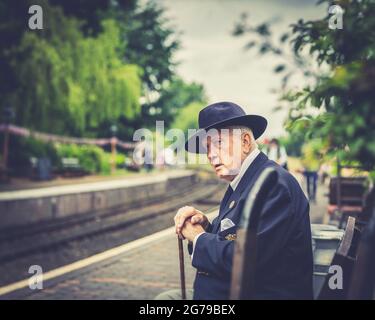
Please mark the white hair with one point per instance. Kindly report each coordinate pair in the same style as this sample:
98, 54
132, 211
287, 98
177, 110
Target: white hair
244, 130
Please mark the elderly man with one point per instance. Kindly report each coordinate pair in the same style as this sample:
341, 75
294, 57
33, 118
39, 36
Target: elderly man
284, 261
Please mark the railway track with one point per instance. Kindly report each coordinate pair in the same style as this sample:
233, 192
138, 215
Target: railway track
54, 244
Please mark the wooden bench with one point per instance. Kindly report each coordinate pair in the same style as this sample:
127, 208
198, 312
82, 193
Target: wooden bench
243, 282
368, 208
71, 167
325, 241
344, 258
362, 285
347, 196
356, 255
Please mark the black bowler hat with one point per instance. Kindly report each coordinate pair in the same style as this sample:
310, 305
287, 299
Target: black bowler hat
223, 114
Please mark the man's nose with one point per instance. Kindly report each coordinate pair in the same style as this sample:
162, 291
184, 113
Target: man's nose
213, 157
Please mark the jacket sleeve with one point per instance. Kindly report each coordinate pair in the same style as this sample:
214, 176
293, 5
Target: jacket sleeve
214, 254
190, 244
190, 247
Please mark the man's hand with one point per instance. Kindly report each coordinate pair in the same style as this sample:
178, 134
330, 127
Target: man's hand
195, 216
190, 231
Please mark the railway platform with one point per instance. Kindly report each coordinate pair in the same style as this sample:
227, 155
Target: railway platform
139, 269
26, 206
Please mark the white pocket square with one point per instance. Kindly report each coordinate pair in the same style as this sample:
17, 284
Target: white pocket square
226, 224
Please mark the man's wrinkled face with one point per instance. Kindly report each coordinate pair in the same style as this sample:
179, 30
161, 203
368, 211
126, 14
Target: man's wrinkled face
224, 152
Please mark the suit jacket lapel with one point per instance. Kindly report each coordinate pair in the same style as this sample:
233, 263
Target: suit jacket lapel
231, 202
250, 173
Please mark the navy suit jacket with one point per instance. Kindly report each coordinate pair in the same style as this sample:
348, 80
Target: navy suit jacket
284, 252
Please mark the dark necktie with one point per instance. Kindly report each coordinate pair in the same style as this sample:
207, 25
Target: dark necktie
227, 196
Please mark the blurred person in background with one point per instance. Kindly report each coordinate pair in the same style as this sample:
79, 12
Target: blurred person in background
277, 153
311, 164
324, 172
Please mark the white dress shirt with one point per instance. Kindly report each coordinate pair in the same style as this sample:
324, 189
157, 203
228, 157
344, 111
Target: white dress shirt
234, 183
244, 166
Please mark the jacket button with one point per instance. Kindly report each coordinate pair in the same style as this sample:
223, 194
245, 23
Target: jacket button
232, 204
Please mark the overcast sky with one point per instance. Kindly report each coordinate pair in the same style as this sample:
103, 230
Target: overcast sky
212, 56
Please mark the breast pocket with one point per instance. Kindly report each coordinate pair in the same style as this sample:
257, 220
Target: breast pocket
229, 233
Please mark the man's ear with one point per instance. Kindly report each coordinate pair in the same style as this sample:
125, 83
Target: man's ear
246, 143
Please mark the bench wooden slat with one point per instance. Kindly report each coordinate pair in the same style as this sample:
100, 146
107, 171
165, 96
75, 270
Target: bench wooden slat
244, 257
344, 257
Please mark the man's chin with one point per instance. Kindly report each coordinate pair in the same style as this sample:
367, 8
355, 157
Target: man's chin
224, 174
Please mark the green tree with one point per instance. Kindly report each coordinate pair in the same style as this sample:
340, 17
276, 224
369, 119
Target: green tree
174, 98
89, 67
188, 117
93, 12
150, 43
312, 154
338, 103
293, 143
68, 83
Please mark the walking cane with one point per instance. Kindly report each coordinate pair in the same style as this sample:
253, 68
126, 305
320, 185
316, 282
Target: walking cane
182, 267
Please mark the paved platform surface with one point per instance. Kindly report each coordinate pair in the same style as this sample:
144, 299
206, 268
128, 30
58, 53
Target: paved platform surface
140, 273
318, 209
91, 186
